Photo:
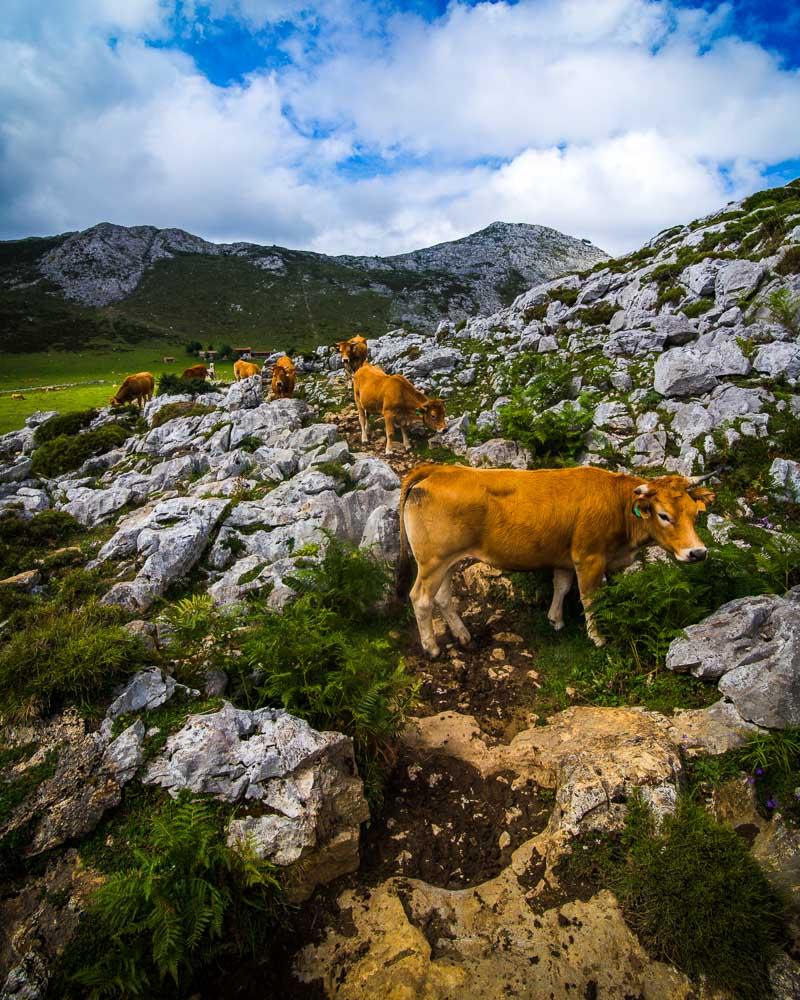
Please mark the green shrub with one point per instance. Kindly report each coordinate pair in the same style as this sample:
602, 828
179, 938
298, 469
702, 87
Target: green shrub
53, 654
185, 409
642, 612
188, 899
772, 196
319, 668
174, 385
551, 436
193, 346
666, 273
567, 296
347, 580
23, 539
696, 898
460, 325
68, 452
784, 308
697, 308
597, 315
63, 423
672, 295
535, 312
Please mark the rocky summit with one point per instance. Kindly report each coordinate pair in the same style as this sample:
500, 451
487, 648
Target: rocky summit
546, 818
168, 279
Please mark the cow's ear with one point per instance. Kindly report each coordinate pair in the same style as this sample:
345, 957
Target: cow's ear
702, 497
641, 503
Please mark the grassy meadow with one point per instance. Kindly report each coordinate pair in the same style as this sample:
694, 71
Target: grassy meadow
97, 373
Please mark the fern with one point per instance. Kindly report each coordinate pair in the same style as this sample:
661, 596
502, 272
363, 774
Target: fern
168, 915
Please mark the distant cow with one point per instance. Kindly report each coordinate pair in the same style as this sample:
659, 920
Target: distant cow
397, 400
244, 369
283, 378
135, 389
354, 353
17, 395
583, 521
196, 371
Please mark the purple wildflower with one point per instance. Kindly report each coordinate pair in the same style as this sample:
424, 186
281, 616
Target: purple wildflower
771, 803
759, 771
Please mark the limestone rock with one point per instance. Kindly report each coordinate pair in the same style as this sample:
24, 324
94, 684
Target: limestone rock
752, 647
785, 475
499, 453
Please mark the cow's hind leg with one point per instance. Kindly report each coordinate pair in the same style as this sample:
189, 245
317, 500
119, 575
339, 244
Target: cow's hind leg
562, 581
423, 594
444, 599
388, 421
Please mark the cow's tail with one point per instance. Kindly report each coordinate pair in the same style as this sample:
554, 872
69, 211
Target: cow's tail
405, 567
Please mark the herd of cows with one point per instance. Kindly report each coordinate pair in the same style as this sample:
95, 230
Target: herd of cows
583, 522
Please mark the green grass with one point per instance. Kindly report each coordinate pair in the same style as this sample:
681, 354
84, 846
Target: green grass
109, 365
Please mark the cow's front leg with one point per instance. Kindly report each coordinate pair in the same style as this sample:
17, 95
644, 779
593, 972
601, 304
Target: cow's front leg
362, 419
590, 572
562, 581
404, 432
444, 598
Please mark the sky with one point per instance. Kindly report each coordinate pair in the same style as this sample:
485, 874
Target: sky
381, 126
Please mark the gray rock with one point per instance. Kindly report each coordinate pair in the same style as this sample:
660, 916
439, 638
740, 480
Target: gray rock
499, 453
382, 534
16, 441
613, 417
488, 420
737, 278
27, 501
305, 779
752, 647
146, 690
454, 436
91, 507
39, 417
145, 632
158, 403
779, 360
433, 360
701, 278
124, 756
170, 538
697, 368
785, 476
649, 449
245, 395
16, 471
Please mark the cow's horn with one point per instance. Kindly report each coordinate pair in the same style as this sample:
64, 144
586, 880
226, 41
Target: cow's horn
696, 480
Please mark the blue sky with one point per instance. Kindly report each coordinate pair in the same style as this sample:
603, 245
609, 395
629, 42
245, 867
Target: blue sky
376, 127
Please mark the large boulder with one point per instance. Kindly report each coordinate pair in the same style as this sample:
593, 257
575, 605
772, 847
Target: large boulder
736, 279
785, 476
751, 646
697, 368
302, 800
499, 453
245, 395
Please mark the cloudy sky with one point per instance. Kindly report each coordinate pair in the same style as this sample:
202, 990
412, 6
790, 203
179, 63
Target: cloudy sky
378, 126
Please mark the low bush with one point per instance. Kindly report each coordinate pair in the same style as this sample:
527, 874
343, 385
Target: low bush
188, 899
22, 540
672, 295
597, 315
347, 580
694, 309
67, 452
784, 308
696, 898
53, 654
666, 274
181, 409
174, 385
553, 436
63, 423
567, 296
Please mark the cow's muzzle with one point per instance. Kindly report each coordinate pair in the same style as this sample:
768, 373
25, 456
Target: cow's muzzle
694, 555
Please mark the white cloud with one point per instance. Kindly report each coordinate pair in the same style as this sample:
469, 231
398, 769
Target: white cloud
608, 120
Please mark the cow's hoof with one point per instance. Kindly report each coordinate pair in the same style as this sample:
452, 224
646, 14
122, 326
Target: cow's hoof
598, 640
557, 625
464, 639
432, 652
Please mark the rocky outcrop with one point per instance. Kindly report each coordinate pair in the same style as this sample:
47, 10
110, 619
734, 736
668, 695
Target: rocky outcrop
303, 797
751, 648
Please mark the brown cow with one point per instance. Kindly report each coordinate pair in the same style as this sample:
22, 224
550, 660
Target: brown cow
585, 520
136, 389
283, 378
396, 398
244, 369
196, 371
354, 353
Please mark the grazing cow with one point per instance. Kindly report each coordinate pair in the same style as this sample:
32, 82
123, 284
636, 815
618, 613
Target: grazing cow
135, 389
283, 378
244, 369
354, 353
196, 371
17, 395
583, 521
396, 398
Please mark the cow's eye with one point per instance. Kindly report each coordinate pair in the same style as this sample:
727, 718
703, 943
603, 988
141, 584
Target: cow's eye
663, 516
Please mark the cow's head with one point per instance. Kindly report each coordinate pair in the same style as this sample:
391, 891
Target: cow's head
669, 507
113, 401
352, 351
280, 380
433, 414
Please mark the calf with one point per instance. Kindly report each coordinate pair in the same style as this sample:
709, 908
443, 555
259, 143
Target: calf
354, 353
396, 398
135, 389
196, 371
244, 369
583, 521
283, 378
